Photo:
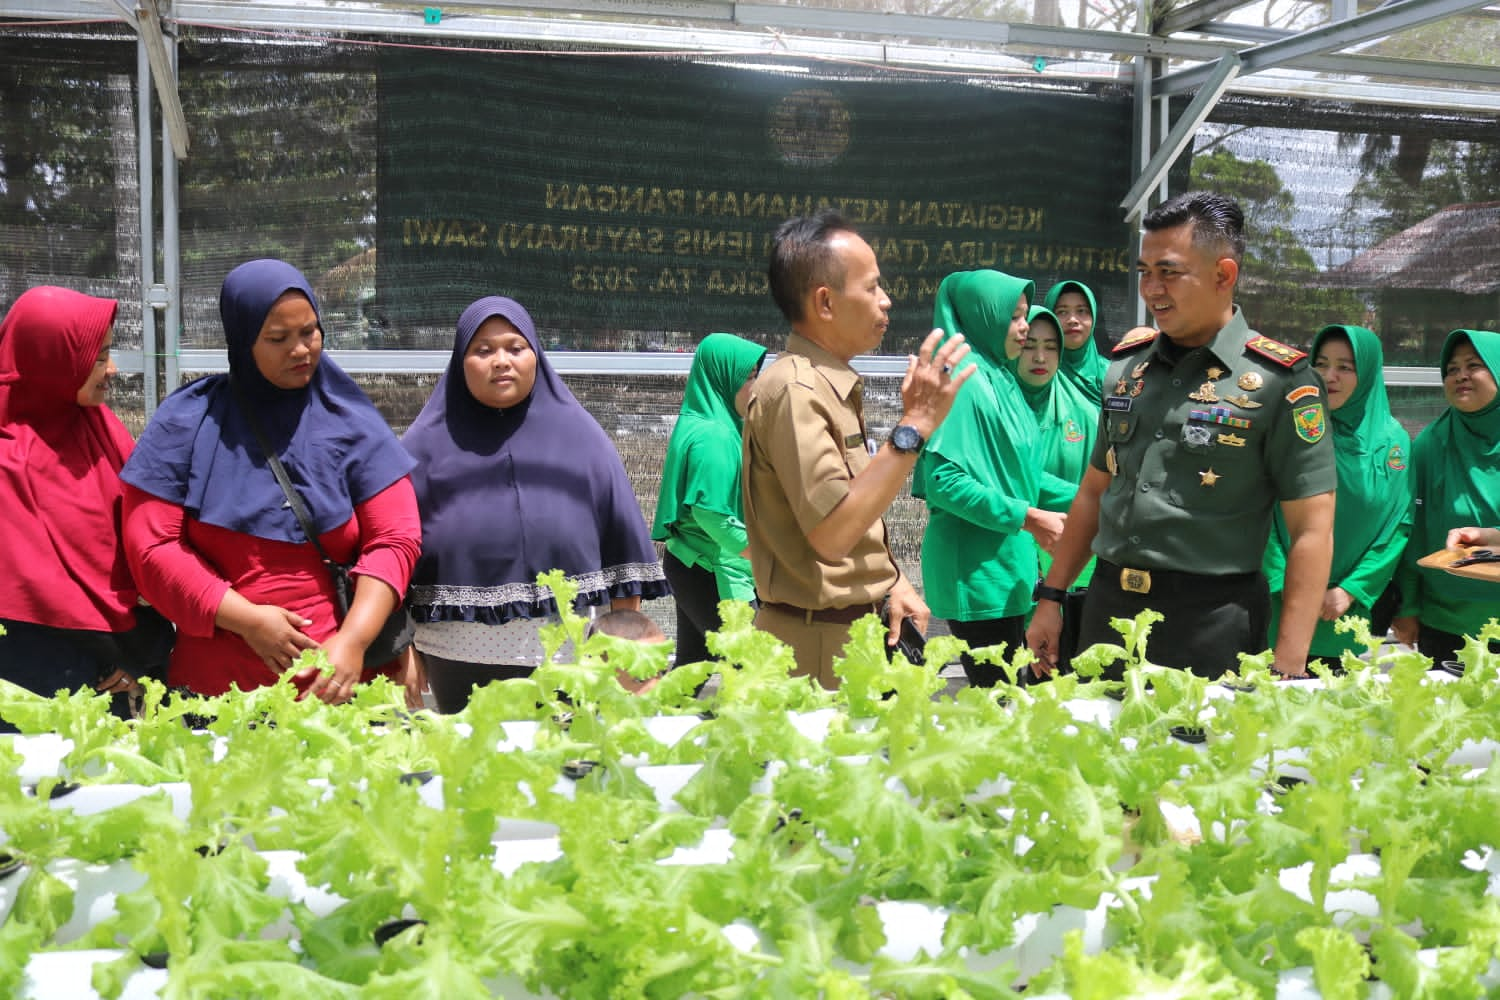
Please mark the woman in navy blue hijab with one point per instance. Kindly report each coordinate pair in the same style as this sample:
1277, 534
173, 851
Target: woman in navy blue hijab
208, 530
514, 478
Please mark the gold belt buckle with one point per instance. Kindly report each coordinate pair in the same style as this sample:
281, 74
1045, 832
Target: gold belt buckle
1137, 581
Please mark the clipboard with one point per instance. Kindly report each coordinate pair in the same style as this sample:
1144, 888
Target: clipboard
1473, 562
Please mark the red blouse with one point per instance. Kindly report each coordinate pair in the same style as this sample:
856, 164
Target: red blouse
185, 567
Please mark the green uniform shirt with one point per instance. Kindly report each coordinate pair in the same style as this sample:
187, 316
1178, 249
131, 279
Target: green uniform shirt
1373, 517
979, 473
699, 510
1455, 474
1202, 444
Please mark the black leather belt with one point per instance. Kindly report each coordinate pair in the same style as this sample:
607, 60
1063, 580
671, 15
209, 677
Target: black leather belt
827, 616
1170, 582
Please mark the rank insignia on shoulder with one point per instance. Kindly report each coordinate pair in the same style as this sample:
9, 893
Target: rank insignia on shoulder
1135, 338
1283, 354
1301, 392
1309, 422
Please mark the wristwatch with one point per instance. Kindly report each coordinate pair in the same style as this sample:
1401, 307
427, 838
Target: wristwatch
906, 439
1042, 592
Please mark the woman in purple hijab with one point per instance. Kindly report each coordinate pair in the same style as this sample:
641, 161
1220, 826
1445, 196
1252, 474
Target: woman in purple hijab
514, 478
210, 536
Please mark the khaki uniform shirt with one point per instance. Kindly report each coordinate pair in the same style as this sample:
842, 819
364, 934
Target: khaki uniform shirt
1201, 444
804, 443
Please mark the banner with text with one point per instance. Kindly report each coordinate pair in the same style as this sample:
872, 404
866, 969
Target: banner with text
614, 197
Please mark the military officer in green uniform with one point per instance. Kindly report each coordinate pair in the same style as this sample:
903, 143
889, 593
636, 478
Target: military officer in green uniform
1206, 427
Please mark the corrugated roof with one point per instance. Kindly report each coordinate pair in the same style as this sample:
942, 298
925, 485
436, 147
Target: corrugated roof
1452, 250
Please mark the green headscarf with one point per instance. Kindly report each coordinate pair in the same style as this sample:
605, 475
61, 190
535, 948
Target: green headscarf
981, 568
1067, 421
1083, 366
1456, 479
1363, 426
1465, 448
702, 467
1065, 416
979, 305
1371, 451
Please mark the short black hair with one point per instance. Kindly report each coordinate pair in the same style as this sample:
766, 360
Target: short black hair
624, 623
1218, 221
801, 259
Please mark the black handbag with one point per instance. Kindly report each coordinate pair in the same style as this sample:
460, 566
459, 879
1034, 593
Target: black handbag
398, 632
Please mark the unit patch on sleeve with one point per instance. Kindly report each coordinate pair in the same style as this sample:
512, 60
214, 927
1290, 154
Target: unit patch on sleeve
1310, 423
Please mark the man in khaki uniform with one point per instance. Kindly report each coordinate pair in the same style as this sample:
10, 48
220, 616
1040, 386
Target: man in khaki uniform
816, 488
1206, 426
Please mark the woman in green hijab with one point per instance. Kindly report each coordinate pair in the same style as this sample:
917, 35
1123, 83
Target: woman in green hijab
1455, 472
1077, 314
1066, 418
699, 512
981, 480
1372, 517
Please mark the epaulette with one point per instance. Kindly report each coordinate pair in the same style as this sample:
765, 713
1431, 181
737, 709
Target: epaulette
1135, 338
1283, 354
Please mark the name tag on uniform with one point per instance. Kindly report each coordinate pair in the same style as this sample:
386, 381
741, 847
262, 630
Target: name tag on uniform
1120, 404
854, 441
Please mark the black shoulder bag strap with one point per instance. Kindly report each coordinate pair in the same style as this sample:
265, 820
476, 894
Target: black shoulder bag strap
293, 498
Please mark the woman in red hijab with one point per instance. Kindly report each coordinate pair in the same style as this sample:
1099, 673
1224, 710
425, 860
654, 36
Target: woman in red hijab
67, 602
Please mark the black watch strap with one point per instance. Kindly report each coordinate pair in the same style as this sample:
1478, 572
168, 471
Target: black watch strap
1042, 592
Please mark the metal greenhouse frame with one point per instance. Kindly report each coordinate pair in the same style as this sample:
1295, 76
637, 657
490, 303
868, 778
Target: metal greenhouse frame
1193, 52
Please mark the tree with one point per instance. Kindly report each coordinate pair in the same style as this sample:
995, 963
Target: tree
1278, 287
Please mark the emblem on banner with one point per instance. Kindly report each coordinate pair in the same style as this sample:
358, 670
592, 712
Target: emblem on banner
810, 127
